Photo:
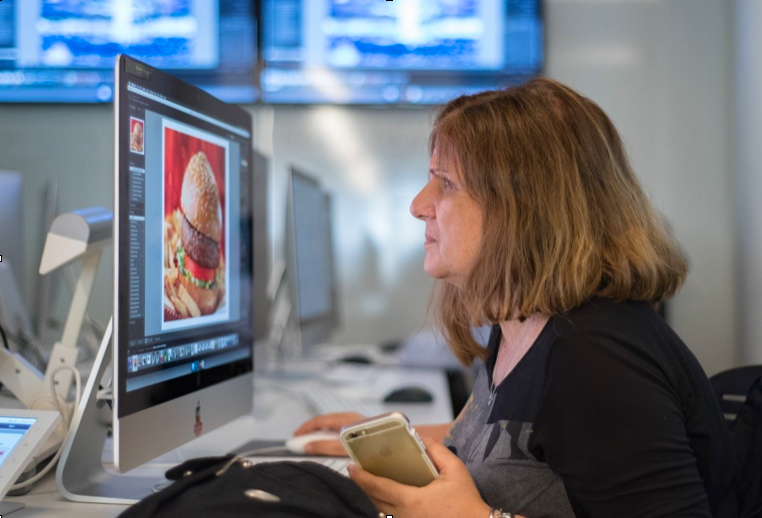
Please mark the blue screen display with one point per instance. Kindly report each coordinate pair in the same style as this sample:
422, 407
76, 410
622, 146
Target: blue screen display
410, 51
64, 50
313, 51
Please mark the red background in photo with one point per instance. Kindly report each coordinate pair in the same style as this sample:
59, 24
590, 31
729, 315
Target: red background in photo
136, 122
178, 149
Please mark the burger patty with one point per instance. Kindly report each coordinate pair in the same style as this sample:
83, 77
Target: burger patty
204, 250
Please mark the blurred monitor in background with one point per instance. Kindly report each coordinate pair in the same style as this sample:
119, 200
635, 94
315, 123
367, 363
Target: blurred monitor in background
261, 256
310, 268
410, 51
64, 50
14, 318
11, 221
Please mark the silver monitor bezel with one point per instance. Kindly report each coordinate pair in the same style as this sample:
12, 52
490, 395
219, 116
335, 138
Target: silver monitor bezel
137, 438
315, 330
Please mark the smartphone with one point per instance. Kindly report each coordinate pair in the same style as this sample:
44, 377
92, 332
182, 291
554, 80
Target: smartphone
387, 446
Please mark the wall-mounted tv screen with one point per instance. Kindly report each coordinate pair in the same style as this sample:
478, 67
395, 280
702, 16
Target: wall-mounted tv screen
64, 50
396, 51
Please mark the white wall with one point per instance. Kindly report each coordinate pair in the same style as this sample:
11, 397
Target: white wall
74, 145
660, 68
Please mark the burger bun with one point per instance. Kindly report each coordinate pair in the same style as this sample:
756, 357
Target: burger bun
205, 299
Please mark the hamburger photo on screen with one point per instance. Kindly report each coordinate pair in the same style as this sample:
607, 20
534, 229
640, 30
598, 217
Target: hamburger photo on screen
194, 228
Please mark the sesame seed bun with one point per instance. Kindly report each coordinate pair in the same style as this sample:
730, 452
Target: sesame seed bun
200, 199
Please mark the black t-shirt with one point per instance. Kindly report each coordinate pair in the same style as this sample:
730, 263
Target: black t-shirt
608, 415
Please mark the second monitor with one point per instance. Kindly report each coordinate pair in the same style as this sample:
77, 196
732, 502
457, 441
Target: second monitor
310, 261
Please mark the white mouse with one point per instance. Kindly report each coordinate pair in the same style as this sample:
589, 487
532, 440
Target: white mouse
297, 444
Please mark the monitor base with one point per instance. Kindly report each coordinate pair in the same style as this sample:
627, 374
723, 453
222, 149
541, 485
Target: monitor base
10, 507
80, 475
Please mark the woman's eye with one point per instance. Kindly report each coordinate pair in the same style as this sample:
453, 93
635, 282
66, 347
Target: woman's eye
448, 184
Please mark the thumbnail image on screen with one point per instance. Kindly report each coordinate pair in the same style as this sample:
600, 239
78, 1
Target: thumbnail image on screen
195, 226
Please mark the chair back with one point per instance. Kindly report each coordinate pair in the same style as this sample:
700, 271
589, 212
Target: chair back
731, 388
739, 392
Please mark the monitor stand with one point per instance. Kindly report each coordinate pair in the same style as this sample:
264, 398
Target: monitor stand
80, 474
10, 507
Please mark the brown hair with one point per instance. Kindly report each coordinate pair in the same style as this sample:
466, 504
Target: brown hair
565, 218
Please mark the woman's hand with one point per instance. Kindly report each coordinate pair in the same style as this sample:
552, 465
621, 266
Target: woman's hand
452, 494
333, 422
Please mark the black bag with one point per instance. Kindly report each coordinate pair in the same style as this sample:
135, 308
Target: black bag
232, 487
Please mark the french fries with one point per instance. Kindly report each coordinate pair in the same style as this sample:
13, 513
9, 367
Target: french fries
188, 301
176, 296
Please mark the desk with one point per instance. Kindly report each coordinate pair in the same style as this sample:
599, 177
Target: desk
277, 413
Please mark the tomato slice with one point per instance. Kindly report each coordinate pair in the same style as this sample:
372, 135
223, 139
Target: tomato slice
199, 272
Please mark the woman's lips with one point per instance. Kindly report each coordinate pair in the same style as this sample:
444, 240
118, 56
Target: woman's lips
429, 241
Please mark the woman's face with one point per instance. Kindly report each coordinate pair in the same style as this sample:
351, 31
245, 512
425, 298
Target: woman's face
453, 223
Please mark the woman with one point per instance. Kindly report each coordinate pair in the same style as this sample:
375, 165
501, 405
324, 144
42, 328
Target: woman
589, 404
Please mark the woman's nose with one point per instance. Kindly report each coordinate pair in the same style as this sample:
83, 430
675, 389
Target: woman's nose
422, 206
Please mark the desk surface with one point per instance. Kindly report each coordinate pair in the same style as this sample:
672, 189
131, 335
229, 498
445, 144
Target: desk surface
278, 410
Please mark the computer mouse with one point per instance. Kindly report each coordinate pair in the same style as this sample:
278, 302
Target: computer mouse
409, 395
356, 358
297, 444
390, 346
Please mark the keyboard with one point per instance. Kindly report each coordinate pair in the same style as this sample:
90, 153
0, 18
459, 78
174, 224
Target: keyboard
326, 401
349, 372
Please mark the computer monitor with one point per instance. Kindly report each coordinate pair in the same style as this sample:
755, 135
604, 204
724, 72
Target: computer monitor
403, 52
11, 221
182, 304
63, 51
310, 265
14, 318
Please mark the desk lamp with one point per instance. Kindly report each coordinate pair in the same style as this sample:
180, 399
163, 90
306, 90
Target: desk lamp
77, 235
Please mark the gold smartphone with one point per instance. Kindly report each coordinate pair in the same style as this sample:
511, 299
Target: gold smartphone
387, 446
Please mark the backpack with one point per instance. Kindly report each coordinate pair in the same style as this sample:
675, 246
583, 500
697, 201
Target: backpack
232, 487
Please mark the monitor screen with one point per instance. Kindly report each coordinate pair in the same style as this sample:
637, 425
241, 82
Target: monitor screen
311, 266
12, 430
12, 226
184, 243
411, 51
64, 50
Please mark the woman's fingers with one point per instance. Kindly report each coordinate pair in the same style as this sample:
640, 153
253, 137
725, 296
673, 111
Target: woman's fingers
328, 422
379, 489
442, 457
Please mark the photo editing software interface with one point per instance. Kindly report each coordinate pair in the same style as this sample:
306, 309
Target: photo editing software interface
64, 50
188, 255
410, 51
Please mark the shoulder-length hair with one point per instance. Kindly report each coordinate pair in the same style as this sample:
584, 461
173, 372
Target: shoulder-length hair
565, 218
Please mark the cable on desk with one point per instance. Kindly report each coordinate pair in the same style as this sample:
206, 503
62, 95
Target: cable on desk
65, 417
